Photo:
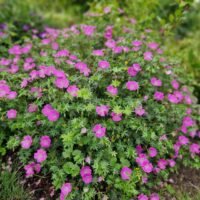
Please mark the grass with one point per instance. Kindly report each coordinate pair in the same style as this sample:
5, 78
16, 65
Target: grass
10, 187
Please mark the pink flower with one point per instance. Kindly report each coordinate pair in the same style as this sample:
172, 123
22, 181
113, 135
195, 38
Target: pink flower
183, 140
140, 111
11, 114
153, 45
50, 113
154, 196
132, 85
86, 174
4, 90
112, 90
126, 173
171, 162
83, 68
53, 116
137, 43
40, 155
102, 110
148, 56
73, 90
147, 167
99, 131
110, 43
98, 53
103, 64
116, 117
12, 95
66, 189
88, 30
195, 148
188, 121
32, 108
29, 169
156, 82
175, 84
26, 142
85, 170
152, 152
159, 96
61, 83
172, 98
162, 163
142, 197
87, 179
141, 159
45, 141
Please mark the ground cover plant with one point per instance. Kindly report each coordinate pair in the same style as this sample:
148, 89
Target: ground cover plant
99, 108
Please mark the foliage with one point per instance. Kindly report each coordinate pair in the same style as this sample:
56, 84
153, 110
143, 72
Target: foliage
62, 92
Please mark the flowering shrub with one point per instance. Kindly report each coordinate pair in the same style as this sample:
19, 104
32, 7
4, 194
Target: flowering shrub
102, 110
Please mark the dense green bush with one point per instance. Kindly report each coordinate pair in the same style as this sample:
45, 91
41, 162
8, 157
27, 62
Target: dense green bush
100, 108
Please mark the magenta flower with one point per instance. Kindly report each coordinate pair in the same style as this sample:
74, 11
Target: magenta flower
45, 141
88, 30
98, 52
183, 140
40, 155
32, 108
147, 167
156, 82
162, 163
73, 90
31, 168
4, 90
11, 114
116, 117
141, 159
12, 95
171, 162
99, 131
137, 43
148, 55
86, 174
188, 121
154, 196
103, 64
142, 197
175, 84
87, 179
53, 116
110, 43
66, 189
195, 148
112, 90
132, 85
85, 170
26, 142
61, 83
126, 173
140, 111
172, 98
102, 110
153, 45
159, 96
83, 68
132, 72
152, 152
50, 113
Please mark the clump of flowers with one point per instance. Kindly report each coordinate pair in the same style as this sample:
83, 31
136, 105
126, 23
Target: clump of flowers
101, 108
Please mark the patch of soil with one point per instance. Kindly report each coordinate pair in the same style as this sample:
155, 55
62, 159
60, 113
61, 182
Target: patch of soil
186, 180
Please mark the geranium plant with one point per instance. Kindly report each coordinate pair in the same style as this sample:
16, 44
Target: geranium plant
99, 108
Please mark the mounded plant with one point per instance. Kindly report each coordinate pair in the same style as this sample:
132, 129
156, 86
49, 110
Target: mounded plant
100, 109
